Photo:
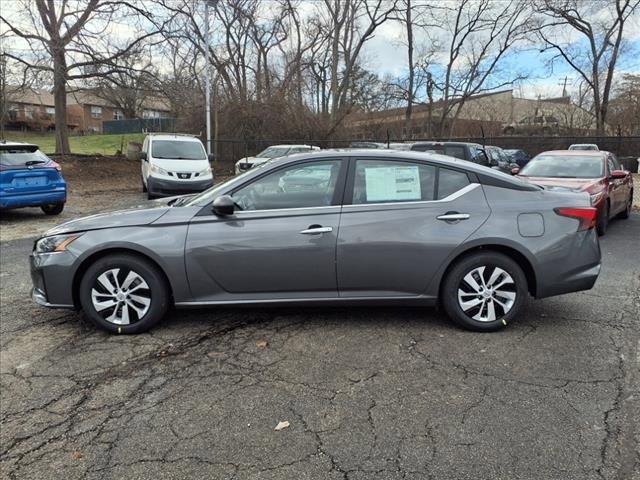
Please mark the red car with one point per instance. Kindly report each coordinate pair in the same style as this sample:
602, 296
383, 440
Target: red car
597, 173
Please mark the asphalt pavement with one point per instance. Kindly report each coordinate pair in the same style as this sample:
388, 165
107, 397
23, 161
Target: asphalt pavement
368, 393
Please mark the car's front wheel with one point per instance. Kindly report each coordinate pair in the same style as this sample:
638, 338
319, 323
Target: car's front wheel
124, 294
53, 208
484, 291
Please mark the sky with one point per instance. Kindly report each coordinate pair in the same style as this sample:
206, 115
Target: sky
385, 54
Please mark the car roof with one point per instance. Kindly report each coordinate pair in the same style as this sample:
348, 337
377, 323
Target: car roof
580, 153
448, 143
4, 144
583, 145
174, 136
288, 145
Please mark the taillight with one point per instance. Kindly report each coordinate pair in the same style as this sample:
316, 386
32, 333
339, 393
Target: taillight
586, 216
55, 165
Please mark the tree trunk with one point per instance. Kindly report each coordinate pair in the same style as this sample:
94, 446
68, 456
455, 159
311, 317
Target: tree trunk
409, 111
60, 101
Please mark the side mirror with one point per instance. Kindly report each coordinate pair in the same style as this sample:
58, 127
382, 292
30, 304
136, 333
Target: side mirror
142, 156
223, 206
211, 157
618, 174
515, 170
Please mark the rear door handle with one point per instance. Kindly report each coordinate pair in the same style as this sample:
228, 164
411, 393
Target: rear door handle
454, 217
316, 229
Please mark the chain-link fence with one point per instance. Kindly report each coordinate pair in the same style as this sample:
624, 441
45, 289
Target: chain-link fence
229, 151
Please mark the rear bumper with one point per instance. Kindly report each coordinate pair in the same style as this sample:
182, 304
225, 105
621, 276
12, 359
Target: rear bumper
169, 188
576, 267
58, 195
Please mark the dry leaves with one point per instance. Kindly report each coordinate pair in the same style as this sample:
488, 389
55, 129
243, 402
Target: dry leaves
262, 344
76, 455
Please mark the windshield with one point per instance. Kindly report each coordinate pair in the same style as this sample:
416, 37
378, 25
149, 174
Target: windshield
564, 166
273, 152
178, 150
583, 147
209, 195
20, 156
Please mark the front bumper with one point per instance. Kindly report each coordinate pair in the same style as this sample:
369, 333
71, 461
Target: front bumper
160, 187
52, 278
58, 195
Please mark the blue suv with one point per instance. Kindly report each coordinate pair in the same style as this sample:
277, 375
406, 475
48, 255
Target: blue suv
28, 178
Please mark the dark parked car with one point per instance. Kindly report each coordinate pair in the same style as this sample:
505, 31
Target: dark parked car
28, 178
518, 156
499, 159
472, 152
596, 172
330, 227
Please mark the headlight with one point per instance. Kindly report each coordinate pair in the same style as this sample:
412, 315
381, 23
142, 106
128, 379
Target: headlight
55, 243
157, 169
596, 197
206, 171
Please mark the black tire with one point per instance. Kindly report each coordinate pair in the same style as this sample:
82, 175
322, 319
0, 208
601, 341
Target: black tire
602, 221
144, 187
156, 291
493, 262
626, 213
53, 208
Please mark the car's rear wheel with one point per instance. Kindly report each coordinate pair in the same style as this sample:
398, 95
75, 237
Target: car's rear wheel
602, 221
484, 291
626, 213
124, 294
53, 208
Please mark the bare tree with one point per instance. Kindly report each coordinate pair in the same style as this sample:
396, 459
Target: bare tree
601, 25
70, 40
481, 34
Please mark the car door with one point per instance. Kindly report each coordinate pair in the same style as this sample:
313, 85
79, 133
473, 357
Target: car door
401, 219
618, 191
279, 243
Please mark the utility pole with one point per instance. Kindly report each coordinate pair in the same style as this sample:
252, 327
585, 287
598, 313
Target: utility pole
207, 76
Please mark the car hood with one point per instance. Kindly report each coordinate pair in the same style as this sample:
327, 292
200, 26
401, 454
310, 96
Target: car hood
564, 184
181, 165
141, 215
248, 160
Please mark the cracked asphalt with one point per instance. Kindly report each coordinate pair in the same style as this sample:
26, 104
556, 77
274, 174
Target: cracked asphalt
370, 393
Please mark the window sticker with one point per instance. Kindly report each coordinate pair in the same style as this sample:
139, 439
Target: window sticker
392, 183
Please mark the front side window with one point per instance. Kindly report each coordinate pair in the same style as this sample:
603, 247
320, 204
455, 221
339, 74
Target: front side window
178, 150
297, 186
383, 181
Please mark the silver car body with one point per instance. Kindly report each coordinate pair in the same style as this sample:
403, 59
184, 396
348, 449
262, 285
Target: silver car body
383, 252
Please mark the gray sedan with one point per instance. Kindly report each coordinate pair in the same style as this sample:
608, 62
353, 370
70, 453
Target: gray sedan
330, 227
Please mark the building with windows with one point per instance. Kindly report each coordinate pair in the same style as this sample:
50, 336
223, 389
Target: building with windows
93, 110
31, 109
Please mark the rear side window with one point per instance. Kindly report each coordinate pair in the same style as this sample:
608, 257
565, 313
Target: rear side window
19, 157
450, 181
382, 181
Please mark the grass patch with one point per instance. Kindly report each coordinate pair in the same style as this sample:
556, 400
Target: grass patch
83, 145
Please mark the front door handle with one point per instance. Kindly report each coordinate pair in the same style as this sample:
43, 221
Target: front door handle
316, 229
454, 217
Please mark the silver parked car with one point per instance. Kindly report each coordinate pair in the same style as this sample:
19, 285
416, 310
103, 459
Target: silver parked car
329, 227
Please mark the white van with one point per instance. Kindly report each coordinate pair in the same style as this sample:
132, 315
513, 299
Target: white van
174, 164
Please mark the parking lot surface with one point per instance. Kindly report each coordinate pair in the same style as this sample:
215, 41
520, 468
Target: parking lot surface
368, 393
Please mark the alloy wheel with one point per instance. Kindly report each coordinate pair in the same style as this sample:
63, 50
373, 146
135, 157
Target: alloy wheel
121, 296
486, 293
